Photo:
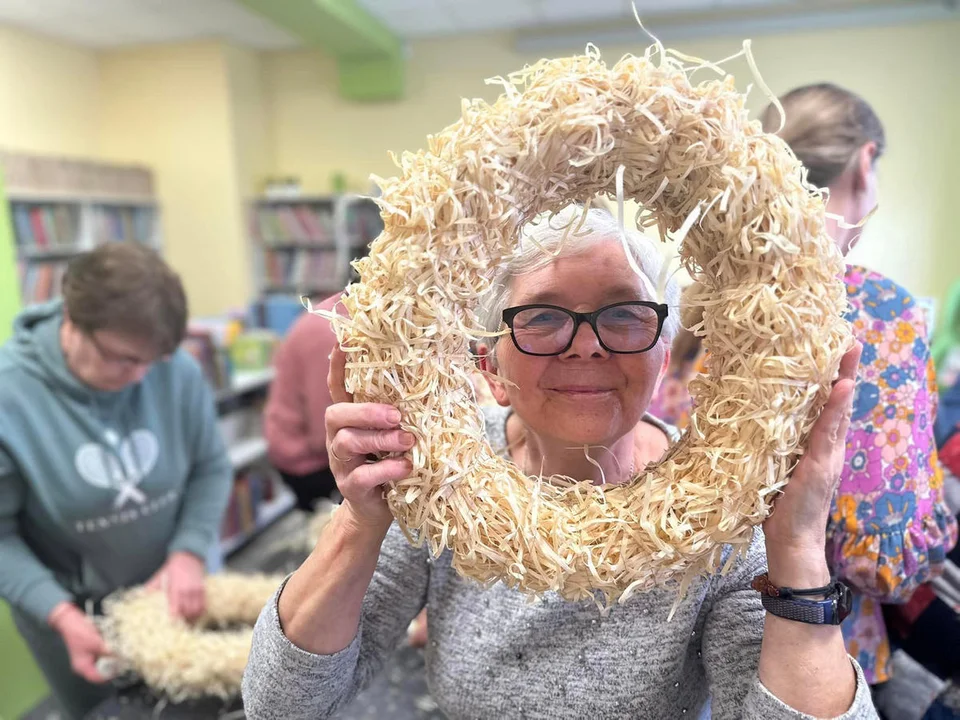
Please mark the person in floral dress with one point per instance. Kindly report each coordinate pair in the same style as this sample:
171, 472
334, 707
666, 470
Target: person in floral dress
889, 529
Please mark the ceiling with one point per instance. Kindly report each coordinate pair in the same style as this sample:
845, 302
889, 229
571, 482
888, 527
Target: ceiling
114, 23
425, 18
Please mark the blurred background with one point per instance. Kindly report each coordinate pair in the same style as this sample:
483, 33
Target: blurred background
236, 135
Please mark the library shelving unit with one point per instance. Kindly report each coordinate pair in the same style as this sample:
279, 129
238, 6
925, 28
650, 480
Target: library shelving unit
304, 244
59, 208
258, 498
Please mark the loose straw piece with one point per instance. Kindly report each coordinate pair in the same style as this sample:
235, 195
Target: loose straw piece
766, 275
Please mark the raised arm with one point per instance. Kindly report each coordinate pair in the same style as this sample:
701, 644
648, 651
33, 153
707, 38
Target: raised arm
346, 608
803, 670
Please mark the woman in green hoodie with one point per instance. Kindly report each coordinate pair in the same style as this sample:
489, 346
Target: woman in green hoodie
112, 469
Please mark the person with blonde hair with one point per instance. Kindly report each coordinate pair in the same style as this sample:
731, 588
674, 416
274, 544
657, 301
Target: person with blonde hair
889, 529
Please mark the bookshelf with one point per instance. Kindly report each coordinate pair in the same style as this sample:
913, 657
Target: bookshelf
304, 245
258, 497
49, 232
60, 208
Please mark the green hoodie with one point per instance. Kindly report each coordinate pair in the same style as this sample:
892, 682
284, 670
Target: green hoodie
98, 488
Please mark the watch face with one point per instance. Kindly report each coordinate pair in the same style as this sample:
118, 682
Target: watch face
844, 601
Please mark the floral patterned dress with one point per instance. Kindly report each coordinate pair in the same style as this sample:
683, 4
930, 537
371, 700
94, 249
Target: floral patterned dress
889, 529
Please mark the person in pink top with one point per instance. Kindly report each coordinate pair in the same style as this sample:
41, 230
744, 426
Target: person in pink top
296, 405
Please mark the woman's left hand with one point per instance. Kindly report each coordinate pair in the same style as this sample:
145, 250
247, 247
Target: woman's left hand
796, 531
182, 577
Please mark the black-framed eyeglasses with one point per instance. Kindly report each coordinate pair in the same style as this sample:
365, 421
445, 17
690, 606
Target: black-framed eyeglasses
624, 327
112, 358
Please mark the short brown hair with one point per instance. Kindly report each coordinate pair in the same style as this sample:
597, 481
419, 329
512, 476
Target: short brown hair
127, 288
825, 126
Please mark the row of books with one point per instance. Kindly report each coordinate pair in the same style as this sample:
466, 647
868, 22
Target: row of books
275, 225
46, 227
252, 489
292, 269
118, 224
53, 227
40, 282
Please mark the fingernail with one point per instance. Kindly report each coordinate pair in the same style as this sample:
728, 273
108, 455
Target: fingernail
394, 416
407, 438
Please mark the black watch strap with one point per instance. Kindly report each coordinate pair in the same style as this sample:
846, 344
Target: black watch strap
814, 612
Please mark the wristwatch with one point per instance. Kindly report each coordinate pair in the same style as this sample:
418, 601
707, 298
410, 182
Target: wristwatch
792, 604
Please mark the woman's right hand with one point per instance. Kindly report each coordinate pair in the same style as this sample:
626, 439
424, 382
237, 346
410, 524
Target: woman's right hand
85, 645
354, 431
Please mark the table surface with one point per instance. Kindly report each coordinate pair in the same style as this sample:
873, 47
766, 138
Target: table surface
139, 703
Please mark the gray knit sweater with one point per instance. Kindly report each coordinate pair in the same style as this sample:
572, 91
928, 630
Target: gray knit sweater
492, 654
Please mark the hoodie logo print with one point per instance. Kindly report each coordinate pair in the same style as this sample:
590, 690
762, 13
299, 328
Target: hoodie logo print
119, 465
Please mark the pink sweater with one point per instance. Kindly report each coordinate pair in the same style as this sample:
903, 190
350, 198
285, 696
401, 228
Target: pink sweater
298, 399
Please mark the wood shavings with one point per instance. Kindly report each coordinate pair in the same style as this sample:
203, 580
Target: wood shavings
183, 661
767, 277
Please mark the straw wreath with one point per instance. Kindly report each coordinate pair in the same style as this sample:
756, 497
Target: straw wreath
767, 277
180, 660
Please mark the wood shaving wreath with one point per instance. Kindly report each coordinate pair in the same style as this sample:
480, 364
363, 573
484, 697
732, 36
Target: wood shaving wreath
180, 660
768, 280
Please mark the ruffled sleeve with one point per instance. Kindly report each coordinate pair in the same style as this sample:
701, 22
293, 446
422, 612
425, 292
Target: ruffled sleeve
889, 557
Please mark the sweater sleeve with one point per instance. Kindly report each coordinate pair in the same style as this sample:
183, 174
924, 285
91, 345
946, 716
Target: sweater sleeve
733, 633
283, 682
25, 582
208, 486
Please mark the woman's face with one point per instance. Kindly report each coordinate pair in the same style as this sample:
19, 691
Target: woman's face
586, 395
106, 360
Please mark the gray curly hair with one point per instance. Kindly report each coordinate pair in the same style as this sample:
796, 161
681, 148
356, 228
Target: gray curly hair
542, 242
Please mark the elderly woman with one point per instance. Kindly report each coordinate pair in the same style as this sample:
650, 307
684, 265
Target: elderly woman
579, 366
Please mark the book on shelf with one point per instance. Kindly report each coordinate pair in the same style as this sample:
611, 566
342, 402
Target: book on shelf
300, 224
123, 224
252, 490
46, 227
41, 281
292, 269
201, 344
